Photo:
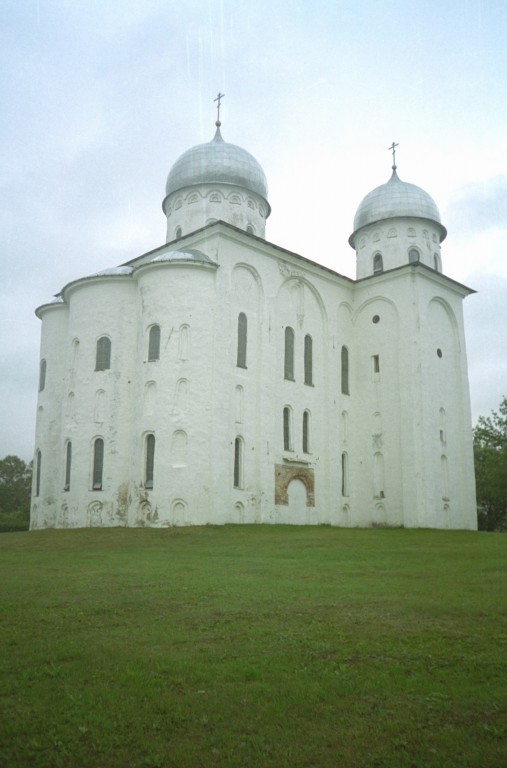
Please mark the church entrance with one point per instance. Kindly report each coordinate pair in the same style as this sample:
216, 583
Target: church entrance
297, 508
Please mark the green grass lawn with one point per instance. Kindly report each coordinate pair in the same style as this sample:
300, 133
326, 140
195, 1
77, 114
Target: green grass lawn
253, 646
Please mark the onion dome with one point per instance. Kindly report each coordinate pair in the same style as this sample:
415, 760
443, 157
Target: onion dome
394, 200
217, 162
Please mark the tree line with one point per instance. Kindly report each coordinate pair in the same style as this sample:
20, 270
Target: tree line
490, 458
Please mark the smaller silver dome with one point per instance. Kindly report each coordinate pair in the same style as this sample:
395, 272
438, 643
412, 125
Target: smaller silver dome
394, 199
217, 162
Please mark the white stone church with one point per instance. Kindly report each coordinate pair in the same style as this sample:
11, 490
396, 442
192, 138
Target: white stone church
223, 379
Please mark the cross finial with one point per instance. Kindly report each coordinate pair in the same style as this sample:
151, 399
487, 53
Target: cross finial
393, 150
218, 99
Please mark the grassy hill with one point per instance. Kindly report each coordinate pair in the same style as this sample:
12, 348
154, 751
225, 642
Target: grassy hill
253, 646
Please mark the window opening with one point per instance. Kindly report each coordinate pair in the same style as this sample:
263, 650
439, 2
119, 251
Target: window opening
150, 461
306, 432
238, 461
68, 462
42, 375
103, 357
38, 463
154, 343
376, 364
413, 256
286, 429
378, 264
345, 371
98, 464
289, 354
308, 360
242, 337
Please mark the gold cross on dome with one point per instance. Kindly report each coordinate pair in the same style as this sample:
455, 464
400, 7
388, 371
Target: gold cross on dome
218, 99
393, 150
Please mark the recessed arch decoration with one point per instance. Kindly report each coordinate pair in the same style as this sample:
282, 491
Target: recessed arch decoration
95, 514
294, 285
179, 510
436, 320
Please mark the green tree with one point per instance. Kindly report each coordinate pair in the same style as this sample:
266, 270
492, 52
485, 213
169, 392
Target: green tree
490, 452
15, 490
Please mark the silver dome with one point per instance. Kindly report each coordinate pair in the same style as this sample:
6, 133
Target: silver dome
394, 199
217, 162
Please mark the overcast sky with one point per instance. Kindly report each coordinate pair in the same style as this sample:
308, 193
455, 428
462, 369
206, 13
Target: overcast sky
100, 97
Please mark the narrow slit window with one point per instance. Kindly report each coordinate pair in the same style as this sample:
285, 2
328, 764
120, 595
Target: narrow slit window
42, 375
150, 461
103, 356
154, 343
238, 462
289, 354
308, 360
376, 364
68, 463
286, 430
242, 339
345, 371
38, 465
306, 432
98, 464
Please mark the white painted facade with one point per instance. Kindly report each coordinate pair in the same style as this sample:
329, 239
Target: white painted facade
388, 438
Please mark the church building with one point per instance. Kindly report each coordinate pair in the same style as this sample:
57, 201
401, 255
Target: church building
221, 378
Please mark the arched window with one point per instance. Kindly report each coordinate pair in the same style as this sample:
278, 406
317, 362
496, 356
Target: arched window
184, 342
154, 343
250, 229
306, 432
413, 256
289, 354
103, 356
345, 371
436, 262
242, 333
238, 463
378, 264
149, 461
178, 232
68, 462
38, 464
345, 474
42, 375
98, 464
287, 437
308, 360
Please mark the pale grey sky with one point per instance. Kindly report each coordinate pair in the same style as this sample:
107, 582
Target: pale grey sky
99, 98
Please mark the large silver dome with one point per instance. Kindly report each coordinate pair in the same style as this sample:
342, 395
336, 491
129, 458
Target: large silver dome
394, 199
217, 162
